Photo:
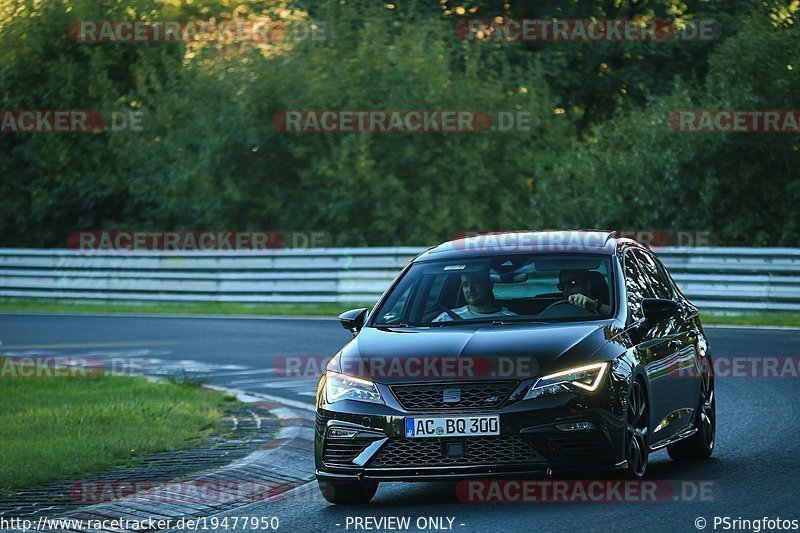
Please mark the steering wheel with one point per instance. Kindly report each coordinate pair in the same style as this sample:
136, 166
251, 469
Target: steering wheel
559, 310
449, 312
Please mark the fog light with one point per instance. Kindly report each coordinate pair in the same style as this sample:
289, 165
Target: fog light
575, 426
338, 433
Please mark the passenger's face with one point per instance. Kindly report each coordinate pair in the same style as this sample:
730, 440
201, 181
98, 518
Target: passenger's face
573, 285
476, 289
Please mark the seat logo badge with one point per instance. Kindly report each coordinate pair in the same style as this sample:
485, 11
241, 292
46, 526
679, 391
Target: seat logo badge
451, 396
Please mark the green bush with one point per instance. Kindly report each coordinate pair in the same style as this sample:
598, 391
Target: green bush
599, 152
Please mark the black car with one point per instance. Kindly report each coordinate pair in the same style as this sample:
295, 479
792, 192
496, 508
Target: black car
518, 354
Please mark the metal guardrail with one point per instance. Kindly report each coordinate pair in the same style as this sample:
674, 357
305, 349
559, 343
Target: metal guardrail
734, 279
284, 276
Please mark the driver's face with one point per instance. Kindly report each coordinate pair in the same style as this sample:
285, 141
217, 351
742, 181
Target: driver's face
476, 289
574, 285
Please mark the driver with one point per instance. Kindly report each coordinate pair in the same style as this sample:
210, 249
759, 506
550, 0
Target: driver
576, 285
477, 289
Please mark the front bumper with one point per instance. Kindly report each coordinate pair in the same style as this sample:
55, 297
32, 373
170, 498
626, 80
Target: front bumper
529, 443
435, 474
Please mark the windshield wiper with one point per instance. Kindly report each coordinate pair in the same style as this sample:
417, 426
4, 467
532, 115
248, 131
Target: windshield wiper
511, 322
484, 322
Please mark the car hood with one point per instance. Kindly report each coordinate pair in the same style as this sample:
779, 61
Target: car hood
486, 351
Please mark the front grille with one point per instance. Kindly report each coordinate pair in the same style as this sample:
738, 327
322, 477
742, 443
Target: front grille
505, 449
480, 395
343, 451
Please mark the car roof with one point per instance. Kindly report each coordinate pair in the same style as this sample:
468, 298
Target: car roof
531, 242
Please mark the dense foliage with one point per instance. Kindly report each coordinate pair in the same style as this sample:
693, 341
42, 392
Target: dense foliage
599, 152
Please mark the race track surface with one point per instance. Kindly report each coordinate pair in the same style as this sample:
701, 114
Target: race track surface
754, 472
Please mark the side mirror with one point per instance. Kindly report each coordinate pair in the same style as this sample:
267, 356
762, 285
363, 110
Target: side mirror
658, 309
353, 320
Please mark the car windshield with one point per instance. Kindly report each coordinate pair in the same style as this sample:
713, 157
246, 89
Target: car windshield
500, 289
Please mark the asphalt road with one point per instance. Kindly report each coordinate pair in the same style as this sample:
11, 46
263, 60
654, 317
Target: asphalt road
753, 474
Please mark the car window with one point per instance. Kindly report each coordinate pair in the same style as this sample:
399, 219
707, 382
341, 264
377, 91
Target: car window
635, 285
397, 310
539, 284
500, 287
652, 273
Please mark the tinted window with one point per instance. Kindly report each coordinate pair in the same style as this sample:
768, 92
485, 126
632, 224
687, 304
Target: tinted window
398, 310
658, 284
504, 287
636, 286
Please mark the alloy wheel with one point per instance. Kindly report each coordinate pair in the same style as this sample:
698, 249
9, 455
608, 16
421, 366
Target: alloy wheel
636, 439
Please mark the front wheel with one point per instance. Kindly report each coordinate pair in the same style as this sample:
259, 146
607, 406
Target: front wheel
347, 492
636, 448
701, 444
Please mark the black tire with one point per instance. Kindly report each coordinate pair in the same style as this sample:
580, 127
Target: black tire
637, 451
701, 444
347, 492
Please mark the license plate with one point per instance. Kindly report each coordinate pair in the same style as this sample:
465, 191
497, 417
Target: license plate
452, 426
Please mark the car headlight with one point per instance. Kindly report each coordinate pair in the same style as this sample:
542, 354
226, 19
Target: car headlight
586, 378
341, 387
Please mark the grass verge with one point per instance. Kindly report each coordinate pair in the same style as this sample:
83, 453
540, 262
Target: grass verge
320, 309
209, 308
752, 319
58, 428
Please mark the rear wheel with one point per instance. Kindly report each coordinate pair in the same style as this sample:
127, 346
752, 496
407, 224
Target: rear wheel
701, 444
347, 492
636, 448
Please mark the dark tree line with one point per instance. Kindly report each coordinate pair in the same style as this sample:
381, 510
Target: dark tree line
599, 151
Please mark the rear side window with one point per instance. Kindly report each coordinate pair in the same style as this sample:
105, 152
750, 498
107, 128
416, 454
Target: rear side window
653, 275
635, 285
